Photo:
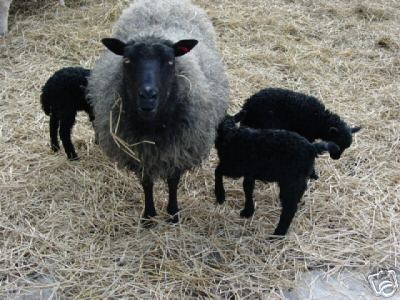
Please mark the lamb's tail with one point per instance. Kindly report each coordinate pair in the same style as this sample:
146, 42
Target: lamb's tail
46, 107
332, 148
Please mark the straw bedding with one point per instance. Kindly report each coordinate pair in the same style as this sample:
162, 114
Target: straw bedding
71, 229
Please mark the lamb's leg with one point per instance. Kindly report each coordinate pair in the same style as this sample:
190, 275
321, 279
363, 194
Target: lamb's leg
219, 186
172, 207
54, 124
96, 138
248, 187
149, 209
314, 174
290, 195
4, 9
66, 124
90, 114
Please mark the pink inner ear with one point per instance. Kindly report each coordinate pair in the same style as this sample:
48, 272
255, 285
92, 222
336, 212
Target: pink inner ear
183, 49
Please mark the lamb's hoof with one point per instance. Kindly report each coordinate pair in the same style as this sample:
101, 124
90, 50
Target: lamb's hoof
220, 201
335, 155
220, 196
73, 157
274, 238
55, 148
173, 219
279, 233
247, 213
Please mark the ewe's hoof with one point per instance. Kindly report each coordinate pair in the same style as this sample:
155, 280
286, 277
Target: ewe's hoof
147, 223
174, 219
247, 213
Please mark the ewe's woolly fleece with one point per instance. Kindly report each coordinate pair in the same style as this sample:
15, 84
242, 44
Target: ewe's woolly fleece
202, 84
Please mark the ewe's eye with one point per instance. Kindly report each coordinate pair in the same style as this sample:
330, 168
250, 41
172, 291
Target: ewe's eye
126, 60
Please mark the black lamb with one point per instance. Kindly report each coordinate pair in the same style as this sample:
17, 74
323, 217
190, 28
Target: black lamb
276, 108
271, 155
63, 95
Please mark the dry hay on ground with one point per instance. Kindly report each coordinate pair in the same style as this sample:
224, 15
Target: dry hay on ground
73, 226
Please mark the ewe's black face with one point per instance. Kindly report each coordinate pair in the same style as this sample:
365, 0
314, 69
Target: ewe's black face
149, 72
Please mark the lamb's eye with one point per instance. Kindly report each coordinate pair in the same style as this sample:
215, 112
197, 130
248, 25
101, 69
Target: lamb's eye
170, 62
126, 60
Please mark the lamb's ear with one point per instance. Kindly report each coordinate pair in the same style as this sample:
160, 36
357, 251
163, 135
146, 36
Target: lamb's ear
240, 115
114, 45
333, 130
184, 46
355, 129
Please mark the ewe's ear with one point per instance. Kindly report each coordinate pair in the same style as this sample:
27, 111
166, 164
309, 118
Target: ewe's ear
355, 129
114, 45
333, 130
184, 46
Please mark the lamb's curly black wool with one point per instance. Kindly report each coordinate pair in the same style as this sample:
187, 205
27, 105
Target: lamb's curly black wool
269, 155
63, 95
276, 108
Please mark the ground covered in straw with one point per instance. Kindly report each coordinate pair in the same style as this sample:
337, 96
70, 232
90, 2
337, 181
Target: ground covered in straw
73, 227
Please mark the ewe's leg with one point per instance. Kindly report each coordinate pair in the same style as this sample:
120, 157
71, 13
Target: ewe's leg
66, 124
91, 119
290, 195
172, 207
54, 124
96, 138
219, 186
149, 209
248, 187
4, 8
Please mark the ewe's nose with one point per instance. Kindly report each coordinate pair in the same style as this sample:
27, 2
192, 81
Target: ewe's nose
148, 98
148, 92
